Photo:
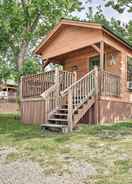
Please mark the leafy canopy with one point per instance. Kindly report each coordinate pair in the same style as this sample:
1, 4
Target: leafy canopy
120, 5
124, 31
23, 22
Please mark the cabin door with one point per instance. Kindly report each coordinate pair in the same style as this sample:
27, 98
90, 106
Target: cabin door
94, 61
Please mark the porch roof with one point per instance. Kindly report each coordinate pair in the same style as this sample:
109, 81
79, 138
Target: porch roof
84, 24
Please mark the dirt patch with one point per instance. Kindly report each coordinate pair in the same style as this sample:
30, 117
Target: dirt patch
27, 171
21, 172
5, 151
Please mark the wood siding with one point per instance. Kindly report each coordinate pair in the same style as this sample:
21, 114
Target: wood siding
80, 59
114, 111
71, 38
33, 112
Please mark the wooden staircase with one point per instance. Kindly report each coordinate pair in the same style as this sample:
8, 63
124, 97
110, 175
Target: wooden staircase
65, 108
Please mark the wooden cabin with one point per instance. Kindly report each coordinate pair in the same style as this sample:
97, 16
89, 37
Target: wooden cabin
8, 91
93, 84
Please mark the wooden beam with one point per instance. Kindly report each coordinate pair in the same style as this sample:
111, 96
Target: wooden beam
102, 55
46, 62
96, 48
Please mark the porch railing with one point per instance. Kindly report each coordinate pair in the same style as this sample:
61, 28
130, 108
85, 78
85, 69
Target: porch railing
66, 79
110, 84
35, 85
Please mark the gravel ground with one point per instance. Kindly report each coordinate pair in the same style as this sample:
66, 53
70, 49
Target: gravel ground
29, 172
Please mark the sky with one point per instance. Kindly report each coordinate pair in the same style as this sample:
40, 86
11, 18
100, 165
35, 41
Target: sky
108, 11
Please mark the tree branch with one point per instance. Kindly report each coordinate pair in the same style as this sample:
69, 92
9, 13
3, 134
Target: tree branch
26, 12
35, 22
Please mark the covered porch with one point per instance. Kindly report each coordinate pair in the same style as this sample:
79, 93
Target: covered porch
84, 59
70, 67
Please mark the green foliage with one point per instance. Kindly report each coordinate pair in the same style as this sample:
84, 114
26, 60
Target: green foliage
121, 30
22, 23
5, 71
129, 29
120, 5
31, 66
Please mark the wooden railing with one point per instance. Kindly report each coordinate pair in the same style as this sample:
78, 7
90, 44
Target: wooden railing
78, 93
81, 89
35, 85
52, 96
66, 79
53, 100
110, 84
75, 95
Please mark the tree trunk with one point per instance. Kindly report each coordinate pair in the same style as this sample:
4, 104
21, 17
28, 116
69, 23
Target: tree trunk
19, 62
22, 54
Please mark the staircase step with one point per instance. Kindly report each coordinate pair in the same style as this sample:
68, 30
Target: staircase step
57, 119
54, 127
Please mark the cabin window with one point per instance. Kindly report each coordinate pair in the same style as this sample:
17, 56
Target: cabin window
110, 58
94, 61
129, 68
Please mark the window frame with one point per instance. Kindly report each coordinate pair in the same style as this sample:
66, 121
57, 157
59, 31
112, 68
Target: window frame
129, 67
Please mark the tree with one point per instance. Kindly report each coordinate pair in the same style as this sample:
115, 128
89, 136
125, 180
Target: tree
129, 29
120, 5
22, 22
112, 24
5, 72
30, 67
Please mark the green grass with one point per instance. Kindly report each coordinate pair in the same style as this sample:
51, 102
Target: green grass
102, 146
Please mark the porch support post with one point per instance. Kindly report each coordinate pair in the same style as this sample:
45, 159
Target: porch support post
57, 82
97, 93
102, 55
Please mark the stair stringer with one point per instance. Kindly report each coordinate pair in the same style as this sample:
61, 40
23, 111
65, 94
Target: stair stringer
82, 111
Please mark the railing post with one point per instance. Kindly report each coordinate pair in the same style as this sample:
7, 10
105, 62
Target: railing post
97, 93
70, 110
57, 81
96, 81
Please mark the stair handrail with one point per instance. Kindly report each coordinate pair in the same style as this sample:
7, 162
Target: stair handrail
46, 93
76, 97
52, 97
76, 82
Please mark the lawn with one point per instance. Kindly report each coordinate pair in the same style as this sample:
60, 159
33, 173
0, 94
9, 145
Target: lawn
91, 155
